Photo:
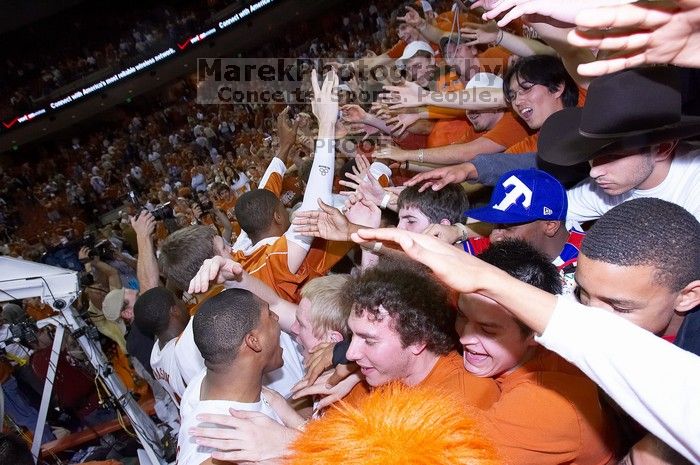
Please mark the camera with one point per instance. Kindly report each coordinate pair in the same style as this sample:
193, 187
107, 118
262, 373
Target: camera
24, 333
163, 212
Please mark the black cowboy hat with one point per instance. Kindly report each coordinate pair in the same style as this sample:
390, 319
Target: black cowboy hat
626, 110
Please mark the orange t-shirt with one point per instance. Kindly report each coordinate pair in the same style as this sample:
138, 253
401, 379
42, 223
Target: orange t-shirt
450, 131
448, 374
453, 131
549, 413
494, 60
529, 144
274, 184
508, 131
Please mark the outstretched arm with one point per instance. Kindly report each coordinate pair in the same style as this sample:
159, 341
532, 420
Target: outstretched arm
147, 265
320, 184
230, 273
565, 327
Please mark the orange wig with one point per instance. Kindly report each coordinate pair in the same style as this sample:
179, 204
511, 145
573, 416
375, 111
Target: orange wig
395, 425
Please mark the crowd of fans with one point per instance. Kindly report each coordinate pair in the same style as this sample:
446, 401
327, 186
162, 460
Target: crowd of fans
464, 249
87, 39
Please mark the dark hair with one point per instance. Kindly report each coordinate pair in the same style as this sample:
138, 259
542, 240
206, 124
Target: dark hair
14, 450
221, 323
544, 70
183, 252
152, 310
524, 262
649, 232
255, 210
417, 303
449, 203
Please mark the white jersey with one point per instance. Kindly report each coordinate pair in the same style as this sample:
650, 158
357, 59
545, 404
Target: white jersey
188, 452
166, 370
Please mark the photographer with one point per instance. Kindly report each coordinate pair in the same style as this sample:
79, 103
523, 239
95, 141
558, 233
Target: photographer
20, 386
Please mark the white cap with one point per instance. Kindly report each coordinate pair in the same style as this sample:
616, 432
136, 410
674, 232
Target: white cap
426, 6
413, 48
485, 81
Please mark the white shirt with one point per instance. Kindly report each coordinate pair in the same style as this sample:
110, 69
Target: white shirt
654, 381
189, 453
166, 370
681, 186
190, 362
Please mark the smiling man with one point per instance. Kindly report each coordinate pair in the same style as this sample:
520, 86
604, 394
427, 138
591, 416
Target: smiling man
403, 330
548, 412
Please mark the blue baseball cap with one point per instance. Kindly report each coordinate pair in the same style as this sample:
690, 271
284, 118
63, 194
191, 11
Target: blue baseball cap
523, 196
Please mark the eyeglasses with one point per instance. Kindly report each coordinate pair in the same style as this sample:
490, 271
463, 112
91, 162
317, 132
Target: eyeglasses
524, 90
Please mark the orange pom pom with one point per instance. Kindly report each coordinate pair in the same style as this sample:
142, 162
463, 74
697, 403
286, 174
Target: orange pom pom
396, 425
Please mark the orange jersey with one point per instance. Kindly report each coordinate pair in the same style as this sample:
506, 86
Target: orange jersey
267, 261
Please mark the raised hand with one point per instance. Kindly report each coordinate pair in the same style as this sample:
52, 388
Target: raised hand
447, 233
561, 10
643, 33
412, 18
401, 122
457, 269
363, 212
330, 393
475, 34
217, 269
407, 95
328, 223
440, 177
353, 114
144, 224
325, 103
287, 132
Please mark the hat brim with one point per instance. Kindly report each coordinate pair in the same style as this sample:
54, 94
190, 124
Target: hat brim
561, 143
489, 214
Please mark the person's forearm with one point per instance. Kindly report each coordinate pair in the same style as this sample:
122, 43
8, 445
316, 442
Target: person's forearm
377, 122
110, 272
453, 154
532, 306
524, 47
432, 33
286, 311
571, 56
319, 186
365, 64
147, 271
488, 167
628, 363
